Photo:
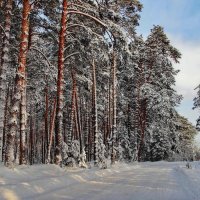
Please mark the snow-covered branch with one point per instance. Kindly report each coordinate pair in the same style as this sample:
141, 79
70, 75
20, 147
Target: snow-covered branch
3, 30
39, 51
77, 5
72, 54
86, 28
87, 15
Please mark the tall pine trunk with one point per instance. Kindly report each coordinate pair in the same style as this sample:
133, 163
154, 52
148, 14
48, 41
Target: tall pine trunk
51, 132
20, 90
23, 118
86, 131
95, 116
4, 66
70, 134
60, 85
5, 124
78, 123
46, 142
114, 123
31, 140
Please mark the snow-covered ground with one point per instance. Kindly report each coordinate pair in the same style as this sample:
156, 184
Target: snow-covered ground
140, 181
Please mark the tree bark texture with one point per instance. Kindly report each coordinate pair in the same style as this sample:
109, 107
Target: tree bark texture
51, 132
95, 116
4, 65
60, 85
114, 122
20, 89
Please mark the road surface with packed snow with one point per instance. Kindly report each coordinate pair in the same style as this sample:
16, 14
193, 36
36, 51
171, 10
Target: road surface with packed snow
140, 181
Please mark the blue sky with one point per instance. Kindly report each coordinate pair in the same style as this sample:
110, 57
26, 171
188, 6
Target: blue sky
181, 22
180, 17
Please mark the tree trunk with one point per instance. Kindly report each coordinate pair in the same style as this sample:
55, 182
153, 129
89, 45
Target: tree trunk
4, 66
23, 128
46, 142
90, 145
95, 116
78, 124
108, 115
20, 87
51, 132
31, 143
69, 140
86, 143
5, 124
113, 154
65, 122
110, 110
60, 85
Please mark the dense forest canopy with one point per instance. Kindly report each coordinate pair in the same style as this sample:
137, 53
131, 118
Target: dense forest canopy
78, 84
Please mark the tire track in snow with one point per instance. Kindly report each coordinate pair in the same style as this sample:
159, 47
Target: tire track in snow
186, 183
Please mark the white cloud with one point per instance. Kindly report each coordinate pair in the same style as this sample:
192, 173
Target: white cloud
189, 76
180, 18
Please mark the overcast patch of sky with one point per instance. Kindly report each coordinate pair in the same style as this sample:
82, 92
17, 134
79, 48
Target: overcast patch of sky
181, 20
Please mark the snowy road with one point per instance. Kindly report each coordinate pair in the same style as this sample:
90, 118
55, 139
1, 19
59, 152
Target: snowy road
145, 181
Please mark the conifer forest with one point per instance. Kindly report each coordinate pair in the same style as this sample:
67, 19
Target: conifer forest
79, 87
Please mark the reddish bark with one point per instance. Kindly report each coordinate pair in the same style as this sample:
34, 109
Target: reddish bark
20, 90
60, 85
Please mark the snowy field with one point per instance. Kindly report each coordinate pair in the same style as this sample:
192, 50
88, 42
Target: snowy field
140, 181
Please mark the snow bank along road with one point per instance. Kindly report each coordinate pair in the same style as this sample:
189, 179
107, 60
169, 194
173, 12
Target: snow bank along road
143, 181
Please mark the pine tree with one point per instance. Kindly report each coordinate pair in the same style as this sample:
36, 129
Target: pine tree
4, 66
158, 93
60, 85
186, 134
122, 109
19, 99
